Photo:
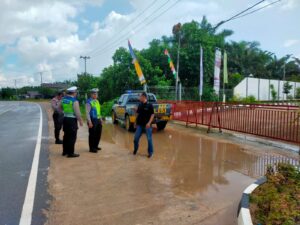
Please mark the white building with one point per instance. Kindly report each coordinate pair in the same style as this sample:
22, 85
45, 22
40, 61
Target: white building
260, 89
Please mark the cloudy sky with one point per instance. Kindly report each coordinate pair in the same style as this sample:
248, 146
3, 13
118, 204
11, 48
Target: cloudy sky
50, 35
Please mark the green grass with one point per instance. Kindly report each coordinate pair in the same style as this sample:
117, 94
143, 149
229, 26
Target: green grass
277, 202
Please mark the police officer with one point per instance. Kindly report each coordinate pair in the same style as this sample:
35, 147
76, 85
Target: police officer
58, 116
72, 116
93, 115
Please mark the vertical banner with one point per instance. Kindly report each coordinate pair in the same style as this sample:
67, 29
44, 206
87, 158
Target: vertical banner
225, 69
171, 64
218, 59
137, 66
201, 73
225, 75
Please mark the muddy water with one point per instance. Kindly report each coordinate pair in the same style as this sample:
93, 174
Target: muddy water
202, 171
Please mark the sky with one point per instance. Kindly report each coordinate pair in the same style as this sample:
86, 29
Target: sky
51, 35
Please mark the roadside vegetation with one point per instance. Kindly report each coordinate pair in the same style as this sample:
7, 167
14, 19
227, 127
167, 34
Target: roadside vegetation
277, 202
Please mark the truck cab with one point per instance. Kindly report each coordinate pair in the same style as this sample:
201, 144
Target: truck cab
124, 110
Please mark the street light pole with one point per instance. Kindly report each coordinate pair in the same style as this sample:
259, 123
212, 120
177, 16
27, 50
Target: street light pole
85, 58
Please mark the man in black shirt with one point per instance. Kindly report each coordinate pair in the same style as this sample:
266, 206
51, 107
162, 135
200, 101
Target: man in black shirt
145, 116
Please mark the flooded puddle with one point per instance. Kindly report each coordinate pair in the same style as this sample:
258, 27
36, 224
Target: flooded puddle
203, 171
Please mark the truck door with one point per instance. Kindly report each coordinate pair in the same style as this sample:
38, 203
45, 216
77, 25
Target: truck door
121, 109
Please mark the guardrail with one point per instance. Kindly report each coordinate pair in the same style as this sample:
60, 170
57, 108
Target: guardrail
279, 122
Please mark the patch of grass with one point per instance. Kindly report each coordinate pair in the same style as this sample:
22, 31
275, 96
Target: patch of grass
277, 202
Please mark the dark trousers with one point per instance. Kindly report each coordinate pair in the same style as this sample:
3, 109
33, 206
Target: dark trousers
95, 134
58, 123
70, 128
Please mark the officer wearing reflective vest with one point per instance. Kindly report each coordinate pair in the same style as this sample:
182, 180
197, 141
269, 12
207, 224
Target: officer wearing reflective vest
72, 116
93, 115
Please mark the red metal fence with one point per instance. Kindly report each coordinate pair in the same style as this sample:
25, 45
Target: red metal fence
273, 121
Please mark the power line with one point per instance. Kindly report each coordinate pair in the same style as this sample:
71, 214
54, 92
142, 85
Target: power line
272, 3
138, 16
240, 13
138, 25
123, 38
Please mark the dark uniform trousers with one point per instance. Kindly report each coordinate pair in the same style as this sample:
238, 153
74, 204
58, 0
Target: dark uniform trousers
70, 128
95, 134
58, 123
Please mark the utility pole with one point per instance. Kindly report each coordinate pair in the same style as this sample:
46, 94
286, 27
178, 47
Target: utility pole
41, 74
85, 58
16, 89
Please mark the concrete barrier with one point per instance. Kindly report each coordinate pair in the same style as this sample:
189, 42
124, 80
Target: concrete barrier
244, 216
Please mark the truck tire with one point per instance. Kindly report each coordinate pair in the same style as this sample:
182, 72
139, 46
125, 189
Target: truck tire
161, 125
114, 117
128, 124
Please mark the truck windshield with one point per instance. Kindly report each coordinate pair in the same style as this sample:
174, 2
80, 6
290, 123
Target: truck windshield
135, 98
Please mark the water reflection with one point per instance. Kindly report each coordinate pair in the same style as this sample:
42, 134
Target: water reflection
196, 163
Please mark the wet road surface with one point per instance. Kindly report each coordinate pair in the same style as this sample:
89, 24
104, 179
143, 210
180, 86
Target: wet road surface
192, 179
19, 123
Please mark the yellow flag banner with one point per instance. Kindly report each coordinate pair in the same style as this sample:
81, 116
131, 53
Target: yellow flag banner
137, 66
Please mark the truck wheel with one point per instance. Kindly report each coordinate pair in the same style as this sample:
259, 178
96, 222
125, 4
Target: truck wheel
161, 125
128, 124
114, 117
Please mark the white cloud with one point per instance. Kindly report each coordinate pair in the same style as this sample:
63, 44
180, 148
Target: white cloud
290, 4
291, 42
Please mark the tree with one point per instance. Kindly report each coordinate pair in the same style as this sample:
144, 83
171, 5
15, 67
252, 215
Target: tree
297, 93
7, 93
287, 87
273, 92
86, 82
244, 58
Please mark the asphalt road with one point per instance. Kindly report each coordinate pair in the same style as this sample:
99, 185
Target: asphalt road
20, 123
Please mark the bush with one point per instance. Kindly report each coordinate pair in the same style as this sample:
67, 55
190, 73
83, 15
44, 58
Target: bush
273, 92
106, 108
278, 200
249, 99
297, 93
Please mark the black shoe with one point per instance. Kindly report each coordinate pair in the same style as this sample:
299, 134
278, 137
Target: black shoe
59, 142
64, 154
73, 155
134, 152
98, 148
150, 156
93, 150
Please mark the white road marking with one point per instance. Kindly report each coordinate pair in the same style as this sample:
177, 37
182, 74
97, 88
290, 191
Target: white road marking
26, 215
4, 111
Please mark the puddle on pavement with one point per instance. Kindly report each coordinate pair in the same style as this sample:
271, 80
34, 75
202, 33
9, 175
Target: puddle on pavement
195, 162
203, 171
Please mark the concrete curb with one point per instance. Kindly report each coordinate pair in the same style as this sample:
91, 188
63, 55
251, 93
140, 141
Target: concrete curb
244, 216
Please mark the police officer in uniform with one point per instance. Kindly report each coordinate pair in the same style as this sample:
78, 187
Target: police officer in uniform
72, 116
93, 115
58, 116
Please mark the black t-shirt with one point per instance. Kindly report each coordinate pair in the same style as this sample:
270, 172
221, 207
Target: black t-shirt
145, 110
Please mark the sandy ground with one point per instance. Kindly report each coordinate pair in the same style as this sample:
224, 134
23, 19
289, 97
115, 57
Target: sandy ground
191, 179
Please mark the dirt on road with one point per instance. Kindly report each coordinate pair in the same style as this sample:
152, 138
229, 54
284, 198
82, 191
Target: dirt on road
192, 179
